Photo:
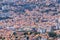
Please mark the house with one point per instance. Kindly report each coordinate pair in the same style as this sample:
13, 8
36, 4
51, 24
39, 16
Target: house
41, 30
58, 38
43, 38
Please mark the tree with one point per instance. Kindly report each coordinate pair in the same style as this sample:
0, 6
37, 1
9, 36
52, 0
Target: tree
52, 34
14, 33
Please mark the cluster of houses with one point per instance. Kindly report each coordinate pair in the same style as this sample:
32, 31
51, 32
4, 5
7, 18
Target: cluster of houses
29, 19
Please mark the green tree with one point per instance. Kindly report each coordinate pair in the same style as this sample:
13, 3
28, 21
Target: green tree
52, 34
14, 33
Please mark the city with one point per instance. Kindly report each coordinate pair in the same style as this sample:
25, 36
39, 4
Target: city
29, 19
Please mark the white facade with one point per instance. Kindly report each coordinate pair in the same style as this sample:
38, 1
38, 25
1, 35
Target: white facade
43, 39
41, 30
58, 38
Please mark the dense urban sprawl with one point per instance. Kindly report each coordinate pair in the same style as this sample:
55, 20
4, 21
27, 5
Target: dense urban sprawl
29, 19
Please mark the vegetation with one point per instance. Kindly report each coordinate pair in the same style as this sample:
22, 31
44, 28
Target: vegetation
4, 18
14, 33
52, 34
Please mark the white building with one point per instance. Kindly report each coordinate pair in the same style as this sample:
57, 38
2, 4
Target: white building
41, 30
43, 38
